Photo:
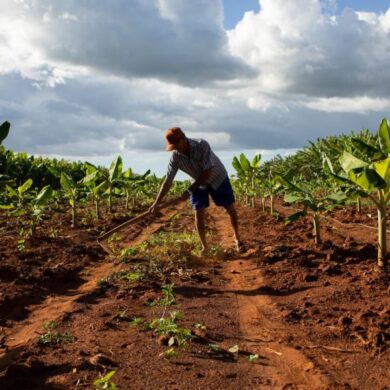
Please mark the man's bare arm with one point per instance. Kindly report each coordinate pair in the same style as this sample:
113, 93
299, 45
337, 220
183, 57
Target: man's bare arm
165, 186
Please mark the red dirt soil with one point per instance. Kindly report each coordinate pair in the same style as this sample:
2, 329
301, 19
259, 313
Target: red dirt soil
309, 317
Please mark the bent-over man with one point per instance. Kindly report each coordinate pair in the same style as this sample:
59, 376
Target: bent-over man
196, 158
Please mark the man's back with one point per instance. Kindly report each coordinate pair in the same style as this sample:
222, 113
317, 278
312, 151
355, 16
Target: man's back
200, 158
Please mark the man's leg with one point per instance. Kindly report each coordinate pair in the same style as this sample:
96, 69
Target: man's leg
200, 200
200, 227
223, 196
234, 221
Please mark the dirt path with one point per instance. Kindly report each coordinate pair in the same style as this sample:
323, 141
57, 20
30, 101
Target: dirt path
56, 306
275, 310
261, 330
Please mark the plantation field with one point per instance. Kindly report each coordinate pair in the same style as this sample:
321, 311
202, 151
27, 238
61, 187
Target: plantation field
287, 313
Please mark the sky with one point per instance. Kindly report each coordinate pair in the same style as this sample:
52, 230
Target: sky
90, 80
235, 9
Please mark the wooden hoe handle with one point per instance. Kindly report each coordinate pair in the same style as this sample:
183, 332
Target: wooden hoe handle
136, 219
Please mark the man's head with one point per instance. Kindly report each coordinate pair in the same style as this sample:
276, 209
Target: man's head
176, 139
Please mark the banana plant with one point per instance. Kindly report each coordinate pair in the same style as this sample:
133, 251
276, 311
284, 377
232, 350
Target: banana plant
269, 186
71, 189
24, 202
20, 196
113, 179
38, 206
4, 181
17, 201
4, 130
314, 202
96, 185
130, 183
370, 174
247, 172
178, 187
239, 190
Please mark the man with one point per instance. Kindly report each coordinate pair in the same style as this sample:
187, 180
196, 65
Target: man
197, 159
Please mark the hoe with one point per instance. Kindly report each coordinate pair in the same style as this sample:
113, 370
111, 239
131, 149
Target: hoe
140, 217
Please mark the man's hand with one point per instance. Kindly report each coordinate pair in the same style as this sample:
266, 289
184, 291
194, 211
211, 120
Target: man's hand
153, 209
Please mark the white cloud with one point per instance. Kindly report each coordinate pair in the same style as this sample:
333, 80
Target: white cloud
385, 21
69, 17
96, 81
182, 42
359, 105
219, 140
297, 48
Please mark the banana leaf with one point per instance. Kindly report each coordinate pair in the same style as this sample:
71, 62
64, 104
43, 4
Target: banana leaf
4, 130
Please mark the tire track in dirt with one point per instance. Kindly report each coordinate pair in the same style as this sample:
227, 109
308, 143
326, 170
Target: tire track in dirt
55, 306
280, 366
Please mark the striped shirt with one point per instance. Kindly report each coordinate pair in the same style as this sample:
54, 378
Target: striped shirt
201, 158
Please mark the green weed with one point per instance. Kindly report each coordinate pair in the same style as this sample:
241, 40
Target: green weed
169, 353
253, 358
21, 245
53, 233
168, 297
169, 328
113, 242
164, 247
105, 383
53, 336
127, 254
136, 321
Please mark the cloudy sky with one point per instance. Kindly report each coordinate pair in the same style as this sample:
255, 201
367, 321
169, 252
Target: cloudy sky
89, 80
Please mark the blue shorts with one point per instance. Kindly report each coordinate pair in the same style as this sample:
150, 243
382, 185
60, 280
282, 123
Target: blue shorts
222, 196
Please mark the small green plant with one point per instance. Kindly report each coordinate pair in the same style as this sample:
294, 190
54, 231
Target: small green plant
214, 348
121, 315
114, 238
21, 245
131, 276
168, 298
253, 358
215, 250
170, 353
136, 321
134, 275
53, 336
234, 350
105, 382
84, 221
104, 283
53, 233
169, 328
166, 326
164, 247
71, 190
201, 327
26, 202
113, 242
49, 325
127, 254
